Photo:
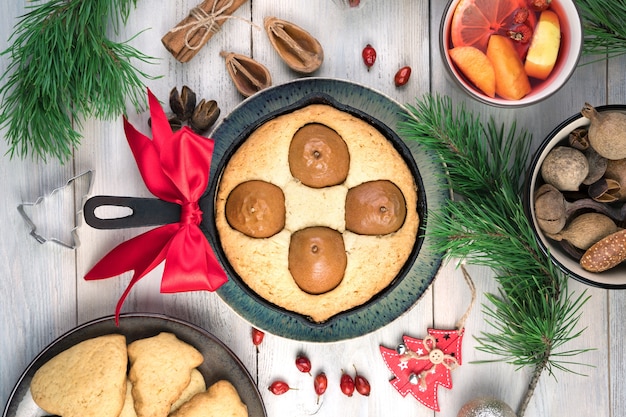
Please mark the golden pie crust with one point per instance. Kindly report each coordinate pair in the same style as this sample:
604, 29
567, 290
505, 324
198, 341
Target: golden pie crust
373, 261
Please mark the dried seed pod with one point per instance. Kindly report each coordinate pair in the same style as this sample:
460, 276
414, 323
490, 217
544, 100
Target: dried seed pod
585, 230
578, 139
605, 190
607, 132
552, 211
606, 254
297, 47
173, 120
183, 104
248, 75
597, 166
549, 209
204, 116
565, 168
616, 170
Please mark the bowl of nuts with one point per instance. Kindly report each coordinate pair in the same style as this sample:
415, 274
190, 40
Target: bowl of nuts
575, 196
510, 53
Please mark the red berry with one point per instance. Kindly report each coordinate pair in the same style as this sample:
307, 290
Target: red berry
320, 383
539, 5
369, 56
362, 385
347, 384
402, 76
520, 33
354, 3
521, 15
257, 336
303, 364
279, 387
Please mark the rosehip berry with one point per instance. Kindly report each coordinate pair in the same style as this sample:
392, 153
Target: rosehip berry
520, 33
362, 385
320, 383
521, 15
402, 76
303, 364
346, 384
354, 3
369, 56
539, 5
257, 336
279, 387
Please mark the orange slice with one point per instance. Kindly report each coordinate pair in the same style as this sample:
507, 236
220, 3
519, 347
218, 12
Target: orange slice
511, 80
474, 21
475, 65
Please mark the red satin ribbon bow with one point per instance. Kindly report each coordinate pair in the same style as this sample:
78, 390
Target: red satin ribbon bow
175, 168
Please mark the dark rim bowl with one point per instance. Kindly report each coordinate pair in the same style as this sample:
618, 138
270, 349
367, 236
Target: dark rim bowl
611, 279
569, 55
219, 361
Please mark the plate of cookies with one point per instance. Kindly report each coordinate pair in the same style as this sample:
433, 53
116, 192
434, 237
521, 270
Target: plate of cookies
148, 365
320, 208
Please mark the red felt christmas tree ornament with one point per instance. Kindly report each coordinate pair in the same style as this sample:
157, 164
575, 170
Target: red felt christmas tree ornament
420, 366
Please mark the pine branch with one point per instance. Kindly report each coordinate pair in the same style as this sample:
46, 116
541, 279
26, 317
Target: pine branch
64, 69
603, 27
533, 315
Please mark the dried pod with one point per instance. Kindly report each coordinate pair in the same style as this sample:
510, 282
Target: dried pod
607, 132
616, 170
204, 116
550, 209
578, 139
173, 120
605, 190
585, 230
597, 166
248, 75
565, 168
297, 47
184, 103
606, 254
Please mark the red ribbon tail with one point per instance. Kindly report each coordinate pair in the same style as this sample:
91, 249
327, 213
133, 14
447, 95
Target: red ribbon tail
140, 254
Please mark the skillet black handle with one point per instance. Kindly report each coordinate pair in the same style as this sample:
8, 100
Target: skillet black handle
145, 212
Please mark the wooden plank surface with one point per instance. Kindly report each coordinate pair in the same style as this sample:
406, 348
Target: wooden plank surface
44, 294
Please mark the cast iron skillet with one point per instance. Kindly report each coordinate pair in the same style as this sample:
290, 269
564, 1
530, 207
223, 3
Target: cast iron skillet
153, 211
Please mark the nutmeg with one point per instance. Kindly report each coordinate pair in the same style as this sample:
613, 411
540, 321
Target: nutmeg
375, 208
317, 259
256, 208
318, 156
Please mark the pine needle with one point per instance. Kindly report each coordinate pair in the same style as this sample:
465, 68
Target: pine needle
603, 27
533, 315
64, 69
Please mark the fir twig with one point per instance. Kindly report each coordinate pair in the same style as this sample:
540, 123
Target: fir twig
63, 69
603, 27
533, 315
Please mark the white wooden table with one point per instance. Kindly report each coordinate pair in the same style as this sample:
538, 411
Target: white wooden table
43, 293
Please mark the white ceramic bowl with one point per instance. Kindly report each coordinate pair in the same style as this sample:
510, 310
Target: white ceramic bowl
569, 55
612, 279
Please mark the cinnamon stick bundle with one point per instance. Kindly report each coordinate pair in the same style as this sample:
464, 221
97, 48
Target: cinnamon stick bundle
186, 39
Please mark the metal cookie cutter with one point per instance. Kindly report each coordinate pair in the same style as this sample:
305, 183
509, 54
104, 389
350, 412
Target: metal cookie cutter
52, 213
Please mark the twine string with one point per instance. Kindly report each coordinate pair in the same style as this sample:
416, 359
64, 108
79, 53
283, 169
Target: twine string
468, 279
208, 22
433, 354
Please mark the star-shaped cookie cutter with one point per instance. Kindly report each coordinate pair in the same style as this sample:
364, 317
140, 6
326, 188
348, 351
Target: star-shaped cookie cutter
73, 242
